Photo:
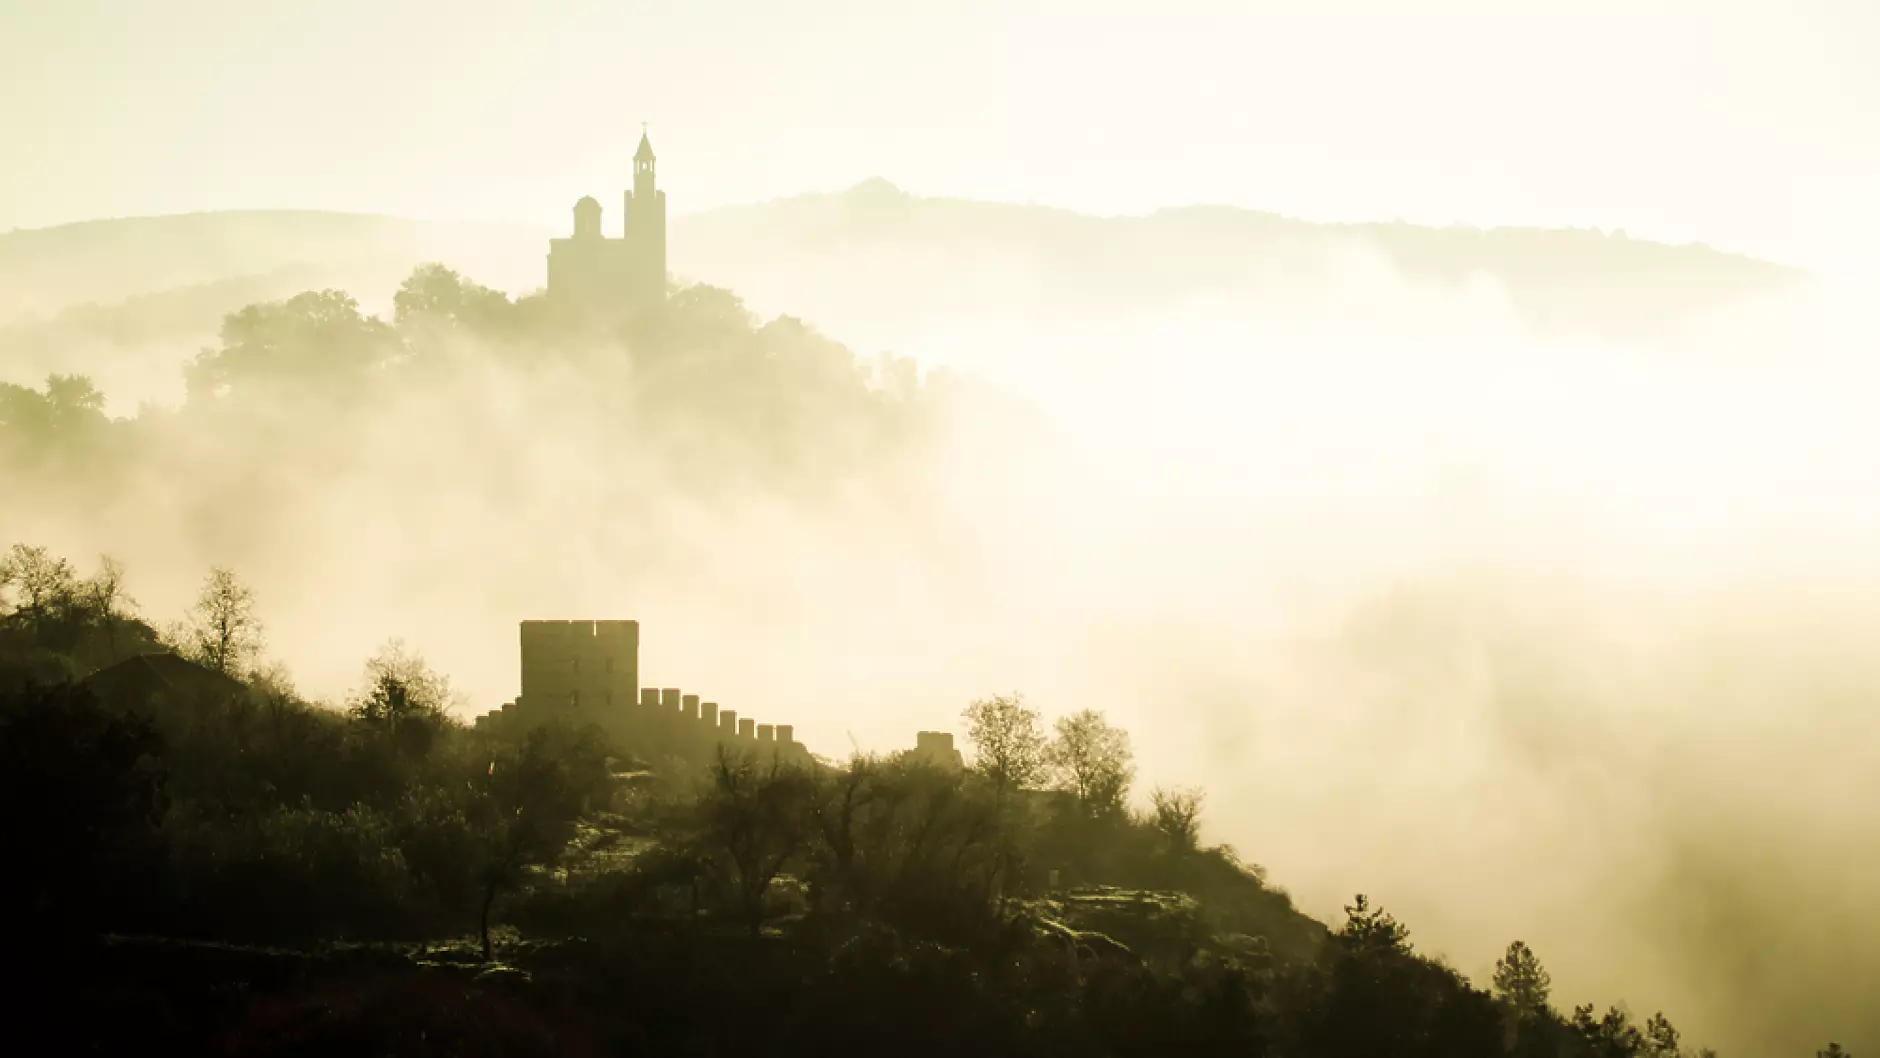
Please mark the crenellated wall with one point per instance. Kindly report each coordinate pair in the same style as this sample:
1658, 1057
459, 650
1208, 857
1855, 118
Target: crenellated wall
588, 672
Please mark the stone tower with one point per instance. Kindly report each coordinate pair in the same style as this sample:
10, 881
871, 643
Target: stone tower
586, 667
646, 224
591, 274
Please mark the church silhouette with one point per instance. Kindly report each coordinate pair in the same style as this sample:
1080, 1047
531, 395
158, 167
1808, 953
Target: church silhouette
589, 272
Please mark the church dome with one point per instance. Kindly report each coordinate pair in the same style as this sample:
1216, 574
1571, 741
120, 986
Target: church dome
587, 218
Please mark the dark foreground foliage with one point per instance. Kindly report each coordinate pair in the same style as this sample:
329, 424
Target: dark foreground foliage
201, 862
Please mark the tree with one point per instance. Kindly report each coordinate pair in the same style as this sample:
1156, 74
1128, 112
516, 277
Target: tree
70, 406
43, 582
104, 593
1372, 931
222, 631
435, 293
1093, 761
1611, 1036
1177, 815
905, 842
73, 399
1834, 1051
531, 798
1008, 743
1661, 1039
1521, 982
404, 698
757, 817
314, 343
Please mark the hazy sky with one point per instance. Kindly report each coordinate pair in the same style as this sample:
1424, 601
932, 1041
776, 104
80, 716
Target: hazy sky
1747, 124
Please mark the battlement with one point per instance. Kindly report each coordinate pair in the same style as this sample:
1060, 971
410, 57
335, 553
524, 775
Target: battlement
588, 671
570, 665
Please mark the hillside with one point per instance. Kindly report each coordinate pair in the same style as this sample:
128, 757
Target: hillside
126, 301
43, 270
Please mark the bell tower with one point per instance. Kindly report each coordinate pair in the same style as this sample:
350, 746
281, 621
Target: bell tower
646, 225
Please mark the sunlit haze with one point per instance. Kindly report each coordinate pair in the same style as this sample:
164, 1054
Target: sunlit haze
1526, 581
1747, 125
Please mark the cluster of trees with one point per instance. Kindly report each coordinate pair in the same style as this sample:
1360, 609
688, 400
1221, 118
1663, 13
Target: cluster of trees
254, 814
776, 400
1019, 904
56, 626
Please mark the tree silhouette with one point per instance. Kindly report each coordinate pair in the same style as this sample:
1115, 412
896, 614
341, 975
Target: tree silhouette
43, 583
1521, 982
110, 605
1176, 814
531, 796
1008, 742
1093, 761
222, 631
755, 815
403, 698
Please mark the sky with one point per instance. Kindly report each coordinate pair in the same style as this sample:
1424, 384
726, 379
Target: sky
1752, 126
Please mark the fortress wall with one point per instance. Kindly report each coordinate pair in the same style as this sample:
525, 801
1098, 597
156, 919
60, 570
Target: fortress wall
590, 671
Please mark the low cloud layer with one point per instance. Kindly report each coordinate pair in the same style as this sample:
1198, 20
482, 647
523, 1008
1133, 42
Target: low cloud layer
1526, 636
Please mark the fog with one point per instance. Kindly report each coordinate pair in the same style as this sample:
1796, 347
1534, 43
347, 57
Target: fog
1532, 611
1525, 636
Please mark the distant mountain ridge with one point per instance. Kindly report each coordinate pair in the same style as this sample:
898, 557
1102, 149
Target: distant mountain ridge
43, 270
911, 252
873, 265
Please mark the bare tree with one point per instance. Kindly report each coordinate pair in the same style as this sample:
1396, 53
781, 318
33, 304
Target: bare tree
899, 838
1008, 742
1177, 814
104, 593
531, 798
757, 816
43, 582
222, 631
1093, 761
